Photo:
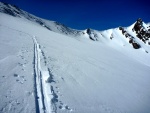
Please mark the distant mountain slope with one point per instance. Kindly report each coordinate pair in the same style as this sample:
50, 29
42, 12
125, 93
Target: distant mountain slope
50, 25
138, 30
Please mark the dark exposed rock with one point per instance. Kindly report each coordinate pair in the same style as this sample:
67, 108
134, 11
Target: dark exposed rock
8, 11
135, 45
88, 31
111, 37
40, 22
139, 36
91, 38
92, 35
140, 30
126, 35
48, 28
120, 28
130, 41
123, 31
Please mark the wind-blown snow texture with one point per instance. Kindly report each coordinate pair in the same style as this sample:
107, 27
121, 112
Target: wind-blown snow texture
46, 67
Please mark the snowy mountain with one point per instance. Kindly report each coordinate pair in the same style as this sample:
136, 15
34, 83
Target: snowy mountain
140, 29
47, 67
50, 25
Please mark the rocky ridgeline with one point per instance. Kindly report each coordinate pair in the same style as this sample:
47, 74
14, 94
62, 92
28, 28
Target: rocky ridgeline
132, 41
141, 32
92, 35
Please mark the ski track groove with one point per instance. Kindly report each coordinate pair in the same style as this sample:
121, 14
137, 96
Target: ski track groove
35, 84
43, 103
44, 96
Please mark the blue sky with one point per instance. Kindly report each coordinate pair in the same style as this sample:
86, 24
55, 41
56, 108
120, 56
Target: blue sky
82, 14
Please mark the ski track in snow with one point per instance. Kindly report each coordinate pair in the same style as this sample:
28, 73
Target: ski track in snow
45, 97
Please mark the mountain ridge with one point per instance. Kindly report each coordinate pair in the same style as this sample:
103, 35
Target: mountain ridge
142, 31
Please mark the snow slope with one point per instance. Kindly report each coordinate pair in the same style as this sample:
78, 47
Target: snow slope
47, 71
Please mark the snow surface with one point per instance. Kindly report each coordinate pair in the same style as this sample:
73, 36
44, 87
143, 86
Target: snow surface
47, 72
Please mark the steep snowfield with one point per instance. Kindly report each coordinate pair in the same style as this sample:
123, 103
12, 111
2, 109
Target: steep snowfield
46, 72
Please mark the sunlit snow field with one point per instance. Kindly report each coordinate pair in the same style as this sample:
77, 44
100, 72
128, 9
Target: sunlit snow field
45, 71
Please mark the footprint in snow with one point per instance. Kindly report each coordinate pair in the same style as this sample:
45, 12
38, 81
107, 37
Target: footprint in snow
3, 76
20, 77
64, 107
16, 75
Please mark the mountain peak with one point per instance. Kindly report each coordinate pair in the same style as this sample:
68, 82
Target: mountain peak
142, 30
